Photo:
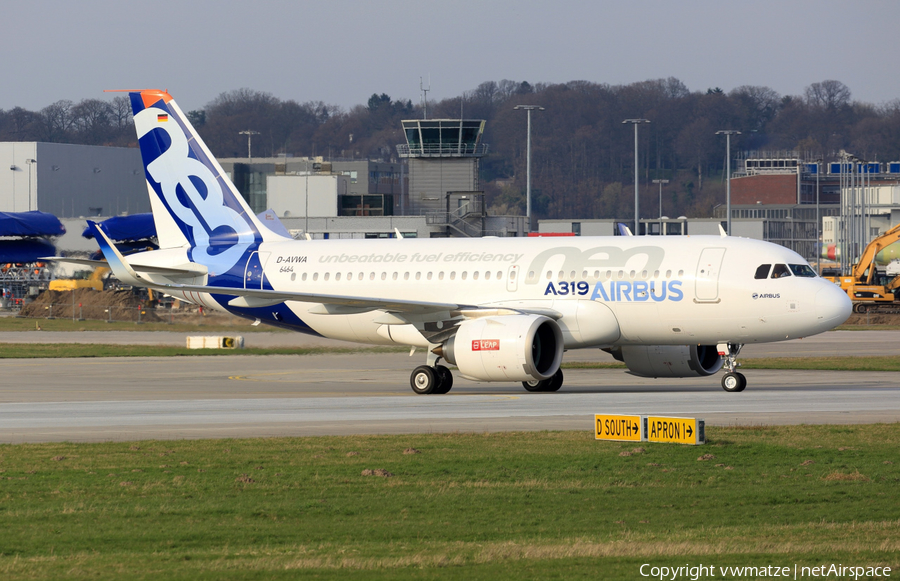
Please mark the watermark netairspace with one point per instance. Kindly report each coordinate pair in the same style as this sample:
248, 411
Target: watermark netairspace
696, 572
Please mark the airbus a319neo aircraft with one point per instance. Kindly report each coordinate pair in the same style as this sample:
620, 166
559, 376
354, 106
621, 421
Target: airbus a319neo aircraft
499, 309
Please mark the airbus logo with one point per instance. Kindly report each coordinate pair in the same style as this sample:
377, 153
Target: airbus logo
766, 296
638, 291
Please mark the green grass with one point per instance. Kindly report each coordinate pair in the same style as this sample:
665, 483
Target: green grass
540, 505
212, 323
67, 350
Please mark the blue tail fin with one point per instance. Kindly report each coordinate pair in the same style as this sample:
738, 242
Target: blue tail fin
194, 203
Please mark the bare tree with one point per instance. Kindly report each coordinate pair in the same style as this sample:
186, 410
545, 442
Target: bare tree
828, 95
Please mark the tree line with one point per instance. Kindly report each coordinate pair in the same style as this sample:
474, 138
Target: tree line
582, 153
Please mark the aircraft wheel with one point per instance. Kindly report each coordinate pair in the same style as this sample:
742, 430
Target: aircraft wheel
423, 380
734, 382
445, 379
555, 382
534, 385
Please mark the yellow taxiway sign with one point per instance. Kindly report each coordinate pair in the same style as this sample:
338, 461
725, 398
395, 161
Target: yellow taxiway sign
675, 430
616, 427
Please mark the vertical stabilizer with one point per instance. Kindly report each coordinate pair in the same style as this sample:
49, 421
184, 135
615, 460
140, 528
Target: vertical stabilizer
194, 203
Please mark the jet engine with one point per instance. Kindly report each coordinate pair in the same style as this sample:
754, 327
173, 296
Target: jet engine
669, 360
506, 348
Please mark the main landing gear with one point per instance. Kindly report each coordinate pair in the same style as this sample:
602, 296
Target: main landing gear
426, 379
553, 383
732, 381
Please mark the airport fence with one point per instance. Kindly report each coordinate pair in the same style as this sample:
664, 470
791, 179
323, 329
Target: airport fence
138, 314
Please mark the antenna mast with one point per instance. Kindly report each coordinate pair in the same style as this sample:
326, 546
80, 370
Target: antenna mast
425, 94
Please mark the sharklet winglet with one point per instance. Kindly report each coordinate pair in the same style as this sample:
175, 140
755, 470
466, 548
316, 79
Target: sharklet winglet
114, 258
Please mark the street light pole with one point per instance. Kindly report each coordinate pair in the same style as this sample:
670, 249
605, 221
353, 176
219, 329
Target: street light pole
249, 133
728, 133
660, 182
528, 109
637, 203
818, 233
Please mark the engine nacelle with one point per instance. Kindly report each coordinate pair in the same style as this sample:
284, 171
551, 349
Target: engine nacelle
670, 360
506, 348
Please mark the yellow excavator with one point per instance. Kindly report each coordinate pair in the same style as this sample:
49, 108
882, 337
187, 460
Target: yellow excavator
870, 290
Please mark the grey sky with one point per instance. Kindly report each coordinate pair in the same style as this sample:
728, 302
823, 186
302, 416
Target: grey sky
342, 51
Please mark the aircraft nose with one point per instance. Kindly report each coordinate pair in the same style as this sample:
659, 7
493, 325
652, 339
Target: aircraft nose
833, 306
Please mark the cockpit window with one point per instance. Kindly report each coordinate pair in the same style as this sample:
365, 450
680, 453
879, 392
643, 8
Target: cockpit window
763, 271
803, 270
780, 270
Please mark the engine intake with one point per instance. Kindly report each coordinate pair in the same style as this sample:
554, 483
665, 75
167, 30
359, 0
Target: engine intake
670, 360
506, 348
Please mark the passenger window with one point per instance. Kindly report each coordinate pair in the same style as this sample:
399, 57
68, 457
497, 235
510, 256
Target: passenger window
405, 276
464, 275
762, 271
487, 275
315, 276
327, 275
383, 276
360, 276
475, 275
418, 276
452, 275
394, 276
562, 275
371, 276
337, 276
549, 275
441, 275
303, 278
429, 276
500, 274
780, 270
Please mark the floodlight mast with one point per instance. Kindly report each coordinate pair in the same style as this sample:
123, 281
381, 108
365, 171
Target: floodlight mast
528, 109
637, 202
728, 133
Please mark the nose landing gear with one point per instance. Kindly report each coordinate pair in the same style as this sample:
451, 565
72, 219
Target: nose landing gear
732, 381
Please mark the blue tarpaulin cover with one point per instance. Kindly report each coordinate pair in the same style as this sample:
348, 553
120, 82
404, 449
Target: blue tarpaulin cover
30, 224
127, 228
25, 250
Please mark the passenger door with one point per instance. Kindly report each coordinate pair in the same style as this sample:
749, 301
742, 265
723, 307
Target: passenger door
706, 289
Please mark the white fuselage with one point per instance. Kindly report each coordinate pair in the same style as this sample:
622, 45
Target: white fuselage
604, 291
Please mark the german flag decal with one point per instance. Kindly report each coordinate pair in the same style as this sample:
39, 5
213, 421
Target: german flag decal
162, 118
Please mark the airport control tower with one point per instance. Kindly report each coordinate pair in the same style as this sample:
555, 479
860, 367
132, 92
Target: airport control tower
443, 166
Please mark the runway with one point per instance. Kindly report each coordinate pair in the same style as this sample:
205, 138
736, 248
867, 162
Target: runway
250, 396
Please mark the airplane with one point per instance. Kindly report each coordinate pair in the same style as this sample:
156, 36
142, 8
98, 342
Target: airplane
499, 309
